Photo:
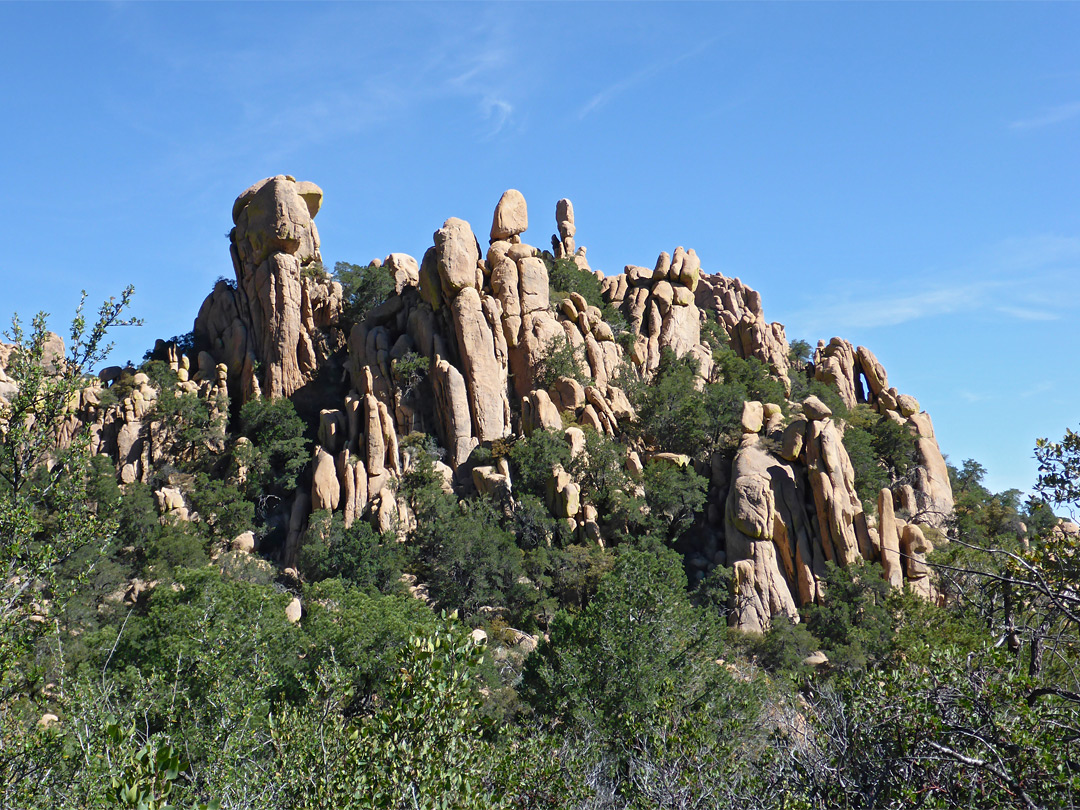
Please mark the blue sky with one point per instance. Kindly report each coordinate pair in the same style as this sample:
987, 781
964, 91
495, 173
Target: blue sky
903, 175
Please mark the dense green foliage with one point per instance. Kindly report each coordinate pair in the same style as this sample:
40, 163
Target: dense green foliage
364, 287
565, 277
882, 452
275, 450
145, 663
562, 359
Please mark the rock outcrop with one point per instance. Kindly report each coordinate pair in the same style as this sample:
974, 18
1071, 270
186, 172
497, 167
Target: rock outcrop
738, 309
482, 324
858, 377
276, 324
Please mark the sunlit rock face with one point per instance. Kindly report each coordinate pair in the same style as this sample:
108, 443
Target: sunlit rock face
276, 325
482, 322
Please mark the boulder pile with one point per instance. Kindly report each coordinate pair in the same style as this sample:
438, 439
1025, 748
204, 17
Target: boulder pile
481, 323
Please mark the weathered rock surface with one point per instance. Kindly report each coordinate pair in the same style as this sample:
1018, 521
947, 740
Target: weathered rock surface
281, 311
780, 506
769, 540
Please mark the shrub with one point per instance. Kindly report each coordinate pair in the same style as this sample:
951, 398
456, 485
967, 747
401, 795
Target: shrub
409, 372
751, 375
533, 458
364, 288
565, 277
800, 353
278, 450
882, 452
672, 412
576, 572
195, 431
221, 507
855, 623
600, 471
357, 555
562, 359
675, 495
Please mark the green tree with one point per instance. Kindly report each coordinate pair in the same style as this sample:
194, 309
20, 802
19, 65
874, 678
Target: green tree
652, 718
639, 647
562, 359
44, 466
672, 412
882, 452
364, 287
956, 732
674, 495
46, 514
421, 746
275, 452
856, 621
358, 554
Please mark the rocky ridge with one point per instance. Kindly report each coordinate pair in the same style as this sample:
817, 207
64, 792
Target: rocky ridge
482, 318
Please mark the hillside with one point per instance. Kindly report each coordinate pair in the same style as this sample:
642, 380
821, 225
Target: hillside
490, 335
671, 548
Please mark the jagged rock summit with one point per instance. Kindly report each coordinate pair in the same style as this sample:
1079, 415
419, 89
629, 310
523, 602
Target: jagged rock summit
780, 506
279, 315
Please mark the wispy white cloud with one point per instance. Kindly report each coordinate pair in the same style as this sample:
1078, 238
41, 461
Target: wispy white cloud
1039, 390
883, 309
638, 76
973, 396
1027, 314
1028, 279
1049, 117
1033, 252
497, 112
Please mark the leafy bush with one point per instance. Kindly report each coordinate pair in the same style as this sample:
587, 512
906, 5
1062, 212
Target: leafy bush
221, 507
565, 277
468, 560
750, 375
576, 573
533, 458
194, 429
800, 353
672, 412
639, 648
409, 372
882, 452
714, 335
856, 621
782, 649
357, 555
562, 359
675, 496
278, 449
364, 288
421, 747
175, 545
600, 471
360, 631
533, 525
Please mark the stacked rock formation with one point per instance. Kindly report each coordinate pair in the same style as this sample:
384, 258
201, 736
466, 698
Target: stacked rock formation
785, 516
738, 310
281, 313
482, 323
858, 377
660, 309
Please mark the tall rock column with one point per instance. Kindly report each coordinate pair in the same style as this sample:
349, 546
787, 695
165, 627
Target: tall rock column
769, 538
282, 305
478, 328
833, 481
